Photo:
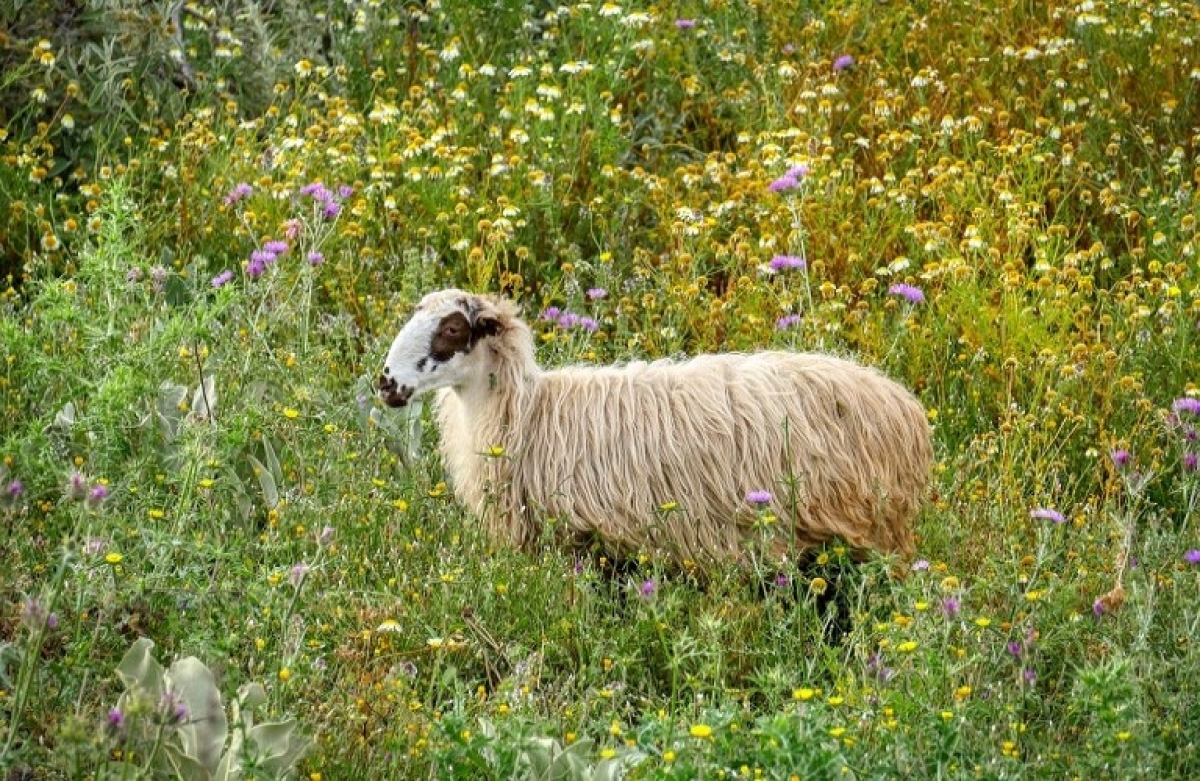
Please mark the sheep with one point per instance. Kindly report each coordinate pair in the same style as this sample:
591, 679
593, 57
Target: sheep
660, 457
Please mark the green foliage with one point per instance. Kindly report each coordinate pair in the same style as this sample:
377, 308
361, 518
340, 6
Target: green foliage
190, 450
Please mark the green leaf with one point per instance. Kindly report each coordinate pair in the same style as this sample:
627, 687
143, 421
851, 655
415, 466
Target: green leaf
204, 730
266, 481
277, 745
139, 670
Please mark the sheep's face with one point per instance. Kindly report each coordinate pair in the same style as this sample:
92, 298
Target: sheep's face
434, 348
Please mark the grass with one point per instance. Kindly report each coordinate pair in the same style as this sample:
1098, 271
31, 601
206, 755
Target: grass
190, 449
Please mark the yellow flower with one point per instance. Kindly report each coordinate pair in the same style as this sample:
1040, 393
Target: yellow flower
400, 505
668, 756
285, 674
388, 625
438, 490
962, 692
817, 586
495, 451
291, 414
157, 515
804, 695
700, 731
114, 558
608, 753
1124, 736
983, 622
947, 715
837, 732
667, 507
907, 646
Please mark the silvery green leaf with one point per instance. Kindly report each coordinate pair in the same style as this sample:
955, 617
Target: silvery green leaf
139, 669
272, 460
204, 400
204, 729
266, 481
277, 745
65, 419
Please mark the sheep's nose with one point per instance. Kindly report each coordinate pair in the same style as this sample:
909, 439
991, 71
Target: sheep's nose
392, 394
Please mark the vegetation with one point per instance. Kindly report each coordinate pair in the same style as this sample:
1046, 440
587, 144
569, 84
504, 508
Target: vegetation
215, 216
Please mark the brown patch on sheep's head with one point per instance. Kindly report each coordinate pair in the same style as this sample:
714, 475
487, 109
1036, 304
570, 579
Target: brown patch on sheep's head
434, 348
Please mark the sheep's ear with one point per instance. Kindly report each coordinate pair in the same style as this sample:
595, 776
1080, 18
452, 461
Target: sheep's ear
486, 325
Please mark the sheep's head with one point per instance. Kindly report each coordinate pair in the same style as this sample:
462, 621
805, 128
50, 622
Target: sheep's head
434, 348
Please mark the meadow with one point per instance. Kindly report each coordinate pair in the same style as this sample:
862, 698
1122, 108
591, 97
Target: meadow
214, 217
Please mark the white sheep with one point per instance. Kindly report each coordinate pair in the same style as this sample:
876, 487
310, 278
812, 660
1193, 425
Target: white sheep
660, 457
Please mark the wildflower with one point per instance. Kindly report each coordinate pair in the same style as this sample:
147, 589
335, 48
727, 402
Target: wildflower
920, 565
292, 229
14, 489
255, 268
1192, 556
818, 586
285, 675
345, 191
263, 256
1189, 462
77, 487
758, 497
220, 279
97, 495
388, 625
782, 581
240, 190
315, 258
908, 646
1029, 675
878, 669
596, 293
175, 709
950, 607
1015, 649
781, 262
551, 313
685, 24
700, 731
326, 536
298, 573
1098, 607
1047, 514
648, 589
803, 695
158, 277
910, 293
783, 183
331, 209
133, 274
116, 719
787, 321
1186, 404
589, 324
842, 62
276, 247
797, 172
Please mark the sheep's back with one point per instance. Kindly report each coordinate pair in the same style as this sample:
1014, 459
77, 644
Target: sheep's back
663, 454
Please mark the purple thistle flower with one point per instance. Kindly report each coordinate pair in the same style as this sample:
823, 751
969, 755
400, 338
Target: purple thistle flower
52, 621
255, 268
345, 191
298, 573
292, 229
276, 247
116, 719
910, 293
1015, 649
133, 274
685, 24
1047, 514
15, 489
781, 262
1189, 462
787, 321
1186, 404
648, 588
920, 565
1192, 556
842, 62
315, 258
317, 191
589, 324
797, 172
1120, 458
1030, 676
758, 497
222, 278
783, 183
263, 256
1098, 607
240, 190
568, 320
331, 209
97, 495
950, 607
551, 313
77, 487
596, 293
782, 581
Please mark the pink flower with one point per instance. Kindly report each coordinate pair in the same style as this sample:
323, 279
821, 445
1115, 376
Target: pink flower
842, 62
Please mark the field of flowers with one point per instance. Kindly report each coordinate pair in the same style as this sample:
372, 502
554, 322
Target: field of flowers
214, 217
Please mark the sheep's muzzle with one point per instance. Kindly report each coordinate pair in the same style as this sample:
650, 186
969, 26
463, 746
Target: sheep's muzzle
392, 394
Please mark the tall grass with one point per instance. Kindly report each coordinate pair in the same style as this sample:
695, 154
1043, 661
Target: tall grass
203, 283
